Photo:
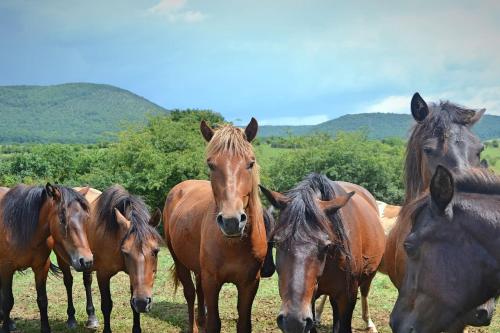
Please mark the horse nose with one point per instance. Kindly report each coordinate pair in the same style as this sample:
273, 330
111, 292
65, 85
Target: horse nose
232, 226
142, 304
294, 324
86, 263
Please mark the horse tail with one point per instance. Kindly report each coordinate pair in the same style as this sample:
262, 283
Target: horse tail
55, 271
175, 277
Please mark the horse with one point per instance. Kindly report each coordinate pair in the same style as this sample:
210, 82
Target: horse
388, 216
215, 228
28, 216
442, 135
453, 259
123, 238
328, 242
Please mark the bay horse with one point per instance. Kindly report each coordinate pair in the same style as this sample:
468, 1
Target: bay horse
215, 228
28, 216
328, 242
123, 238
453, 259
441, 136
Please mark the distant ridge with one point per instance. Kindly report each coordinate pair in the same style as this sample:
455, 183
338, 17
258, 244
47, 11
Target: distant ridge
69, 113
377, 126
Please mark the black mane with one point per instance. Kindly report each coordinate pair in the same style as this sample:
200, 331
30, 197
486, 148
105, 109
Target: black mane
302, 220
131, 207
21, 209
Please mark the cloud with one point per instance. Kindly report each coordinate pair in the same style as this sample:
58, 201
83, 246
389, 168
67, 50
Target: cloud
294, 121
174, 11
391, 104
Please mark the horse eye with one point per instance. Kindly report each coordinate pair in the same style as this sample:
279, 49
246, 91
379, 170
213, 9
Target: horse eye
250, 165
410, 248
155, 252
211, 166
427, 150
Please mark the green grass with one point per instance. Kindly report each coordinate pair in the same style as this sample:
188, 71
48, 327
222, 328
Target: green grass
169, 312
492, 155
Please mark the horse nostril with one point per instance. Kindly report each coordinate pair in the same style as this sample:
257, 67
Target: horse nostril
243, 217
309, 324
149, 300
82, 262
482, 314
220, 220
280, 320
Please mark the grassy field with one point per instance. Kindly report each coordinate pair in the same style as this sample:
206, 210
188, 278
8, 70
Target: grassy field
492, 155
169, 312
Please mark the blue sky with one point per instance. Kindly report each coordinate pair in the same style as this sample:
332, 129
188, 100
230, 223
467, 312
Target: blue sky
284, 62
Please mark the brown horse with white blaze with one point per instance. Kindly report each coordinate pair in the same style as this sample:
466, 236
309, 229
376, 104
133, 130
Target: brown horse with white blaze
328, 242
216, 230
33, 220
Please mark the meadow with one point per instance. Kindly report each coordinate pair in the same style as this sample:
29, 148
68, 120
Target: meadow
169, 312
148, 160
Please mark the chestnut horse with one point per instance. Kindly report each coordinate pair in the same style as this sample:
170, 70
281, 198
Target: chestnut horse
216, 230
327, 243
28, 216
123, 238
453, 260
441, 135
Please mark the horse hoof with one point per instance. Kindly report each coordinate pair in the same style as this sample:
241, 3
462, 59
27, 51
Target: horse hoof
371, 330
71, 323
92, 324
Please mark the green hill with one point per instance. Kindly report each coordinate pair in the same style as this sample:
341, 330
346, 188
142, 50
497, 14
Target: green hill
377, 125
69, 113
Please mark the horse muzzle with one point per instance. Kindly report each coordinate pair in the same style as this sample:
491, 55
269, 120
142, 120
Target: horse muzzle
141, 304
293, 324
232, 226
81, 263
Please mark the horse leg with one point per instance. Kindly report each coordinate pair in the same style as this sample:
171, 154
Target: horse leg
41, 273
106, 301
184, 275
246, 295
365, 310
346, 303
336, 315
136, 328
319, 309
7, 301
211, 289
92, 322
68, 283
201, 303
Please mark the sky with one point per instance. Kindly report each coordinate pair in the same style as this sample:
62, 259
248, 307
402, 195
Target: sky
282, 61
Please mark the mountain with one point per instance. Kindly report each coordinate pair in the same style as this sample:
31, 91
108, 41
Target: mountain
69, 113
377, 125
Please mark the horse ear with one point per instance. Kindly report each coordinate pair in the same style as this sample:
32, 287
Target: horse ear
484, 164
276, 199
251, 130
476, 117
155, 220
335, 204
53, 192
206, 131
84, 190
122, 221
419, 108
442, 187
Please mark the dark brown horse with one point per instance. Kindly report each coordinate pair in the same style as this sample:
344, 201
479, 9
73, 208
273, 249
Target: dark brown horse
441, 136
123, 238
33, 220
216, 230
328, 242
453, 258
